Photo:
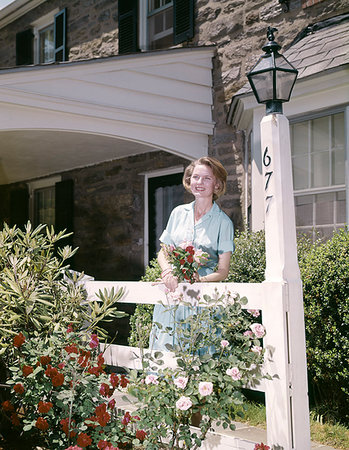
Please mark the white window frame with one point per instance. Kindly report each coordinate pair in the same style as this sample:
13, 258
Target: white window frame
39, 184
143, 23
334, 188
147, 176
39, 25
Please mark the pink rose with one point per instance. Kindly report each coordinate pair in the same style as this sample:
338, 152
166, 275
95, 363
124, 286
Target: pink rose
205, 388
258, 330
234, 372
224, 343
151, 379
257, 349
180, 382
184, 403
248, 333
94, 341
254, 312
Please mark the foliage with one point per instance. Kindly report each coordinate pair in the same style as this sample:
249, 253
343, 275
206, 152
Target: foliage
325, 275
324, 271
61, 395
185, 260
206, 382
37, 290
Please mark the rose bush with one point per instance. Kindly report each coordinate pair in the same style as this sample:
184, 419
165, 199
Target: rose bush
215, 359
62, 396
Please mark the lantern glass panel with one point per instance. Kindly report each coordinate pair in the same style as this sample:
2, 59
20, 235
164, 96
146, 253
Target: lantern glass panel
284, 84
263, 84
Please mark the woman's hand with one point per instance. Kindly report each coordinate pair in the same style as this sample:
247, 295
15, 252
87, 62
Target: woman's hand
170, 281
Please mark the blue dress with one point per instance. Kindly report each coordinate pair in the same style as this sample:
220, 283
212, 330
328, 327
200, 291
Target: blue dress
213, 234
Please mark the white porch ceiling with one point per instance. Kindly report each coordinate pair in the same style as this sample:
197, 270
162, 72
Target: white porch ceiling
57, 117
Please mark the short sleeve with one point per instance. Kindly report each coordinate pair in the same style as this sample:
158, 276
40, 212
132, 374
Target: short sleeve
226, 236
165, 237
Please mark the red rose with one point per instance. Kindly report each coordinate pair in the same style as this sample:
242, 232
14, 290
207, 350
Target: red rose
114, 380
103, 444
182, 262
124, 381
41, 424
190, 259
71, 349
18, 388
126, 419
44, 360
70, 328
15, 420
105, 390
27, 370
190, 249
61, 365
111, 404
83, 440
57, 380
19, 340
44, 407
65, 426
51, 371
7, 406
141, 435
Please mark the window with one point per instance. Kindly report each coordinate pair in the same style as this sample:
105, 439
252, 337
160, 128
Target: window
42, 204
160, 24
318, 160
163, 192
44, 42
154, 24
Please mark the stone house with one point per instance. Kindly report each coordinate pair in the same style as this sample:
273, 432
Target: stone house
104, 102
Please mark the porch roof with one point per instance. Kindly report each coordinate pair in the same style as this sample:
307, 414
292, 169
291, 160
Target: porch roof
57, 117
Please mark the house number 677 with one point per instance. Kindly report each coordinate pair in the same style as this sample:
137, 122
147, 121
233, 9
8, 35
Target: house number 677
267, 174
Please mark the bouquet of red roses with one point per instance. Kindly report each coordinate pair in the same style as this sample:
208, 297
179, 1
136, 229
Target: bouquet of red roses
185, 260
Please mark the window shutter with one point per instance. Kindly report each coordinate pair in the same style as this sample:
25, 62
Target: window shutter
19, 206
24, 47
64, 209
60, 35
183, 20
128, 17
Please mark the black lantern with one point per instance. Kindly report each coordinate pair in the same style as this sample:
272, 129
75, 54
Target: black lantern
273, 77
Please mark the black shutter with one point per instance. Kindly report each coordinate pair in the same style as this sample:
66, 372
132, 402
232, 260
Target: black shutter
24, 47
19, 206
64, 209
183, 20
60, 35
128, 17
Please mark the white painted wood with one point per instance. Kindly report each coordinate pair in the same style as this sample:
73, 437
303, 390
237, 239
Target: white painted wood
287, 400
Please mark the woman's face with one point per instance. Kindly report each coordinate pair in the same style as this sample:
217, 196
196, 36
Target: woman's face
203, 182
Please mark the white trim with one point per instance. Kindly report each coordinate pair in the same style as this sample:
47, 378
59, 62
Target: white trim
16, 10
147, 175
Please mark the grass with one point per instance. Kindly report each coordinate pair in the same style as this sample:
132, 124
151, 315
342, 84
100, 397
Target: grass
332, 434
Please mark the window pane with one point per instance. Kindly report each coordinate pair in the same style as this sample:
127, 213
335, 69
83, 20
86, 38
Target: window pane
304, 210
320, 134
338, 149
44, 206
46, 43
338, 167
340, 208
299, 133
300, 172
324, 204
320, 170
338, 130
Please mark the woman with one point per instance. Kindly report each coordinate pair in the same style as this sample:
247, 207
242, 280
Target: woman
204, 224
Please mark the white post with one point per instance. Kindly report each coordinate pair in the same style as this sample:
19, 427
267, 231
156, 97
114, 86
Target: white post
286, 396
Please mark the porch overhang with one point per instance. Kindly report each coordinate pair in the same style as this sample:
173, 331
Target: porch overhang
54, 118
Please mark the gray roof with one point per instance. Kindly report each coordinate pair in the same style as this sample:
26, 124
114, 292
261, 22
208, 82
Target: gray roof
322, 46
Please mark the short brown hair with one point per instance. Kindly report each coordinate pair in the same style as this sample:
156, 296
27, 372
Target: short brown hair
218, 171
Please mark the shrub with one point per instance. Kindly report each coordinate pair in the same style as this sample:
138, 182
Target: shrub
61, 396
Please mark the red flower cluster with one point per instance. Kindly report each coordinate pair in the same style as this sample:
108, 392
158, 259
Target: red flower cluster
84, 357
141, 435
94, 341
65, 427
116, 381
15, 420
83, 440
97, 370
45, 360
44, 407
27, 370
106, 390
57, 378
19, 340
73, 348
128, 418
102, 415
261, 446
7, 406
18, 388
105, 445
41, 424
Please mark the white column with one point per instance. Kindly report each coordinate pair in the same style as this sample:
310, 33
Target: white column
286, 396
